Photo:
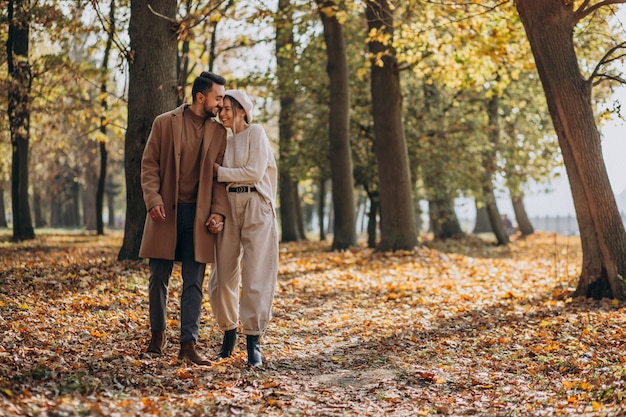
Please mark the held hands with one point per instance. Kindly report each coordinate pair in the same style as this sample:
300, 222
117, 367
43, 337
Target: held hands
215, 223
157, 214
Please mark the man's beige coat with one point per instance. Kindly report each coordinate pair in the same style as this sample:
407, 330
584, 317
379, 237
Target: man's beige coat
160, 171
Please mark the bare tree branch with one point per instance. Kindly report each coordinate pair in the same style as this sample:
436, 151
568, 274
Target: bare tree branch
162, 16
583, 11
606, 59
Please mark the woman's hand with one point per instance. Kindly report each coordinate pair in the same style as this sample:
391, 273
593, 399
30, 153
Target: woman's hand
215, 223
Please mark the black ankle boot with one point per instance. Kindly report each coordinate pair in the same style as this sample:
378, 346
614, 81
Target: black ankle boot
228, 344
254, 351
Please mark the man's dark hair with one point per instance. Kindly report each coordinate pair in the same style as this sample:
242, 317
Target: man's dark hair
204, 83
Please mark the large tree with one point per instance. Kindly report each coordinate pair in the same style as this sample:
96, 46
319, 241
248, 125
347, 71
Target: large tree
152, 90
550, 27
398, 226
110, 31
489, 165
285, 68
19, 101
339, 123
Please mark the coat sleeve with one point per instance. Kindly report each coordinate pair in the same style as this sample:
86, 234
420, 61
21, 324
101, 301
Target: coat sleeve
150, 176
219, 202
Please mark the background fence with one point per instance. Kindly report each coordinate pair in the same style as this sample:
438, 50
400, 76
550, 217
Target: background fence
563, 225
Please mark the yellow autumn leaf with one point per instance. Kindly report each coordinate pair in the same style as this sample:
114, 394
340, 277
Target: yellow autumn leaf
596, 406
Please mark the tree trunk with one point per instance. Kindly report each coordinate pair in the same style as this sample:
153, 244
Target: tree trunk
443, 220
549, 26
91, 188
152, 62
56, 211
111, 208
321, 205
489, 162
103, 121
372, 218
19, 101
482, 223
101, 186
182, 60
3, 213
495, 219
398, 230
521, 217
73, 214
338, 130
299, 215
285, 62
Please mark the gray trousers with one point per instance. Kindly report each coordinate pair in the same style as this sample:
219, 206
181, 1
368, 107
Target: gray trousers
193, 278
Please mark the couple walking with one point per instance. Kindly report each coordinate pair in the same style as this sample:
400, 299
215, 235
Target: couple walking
211, 198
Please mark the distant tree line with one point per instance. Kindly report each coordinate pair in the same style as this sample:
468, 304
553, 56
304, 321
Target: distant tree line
401, 102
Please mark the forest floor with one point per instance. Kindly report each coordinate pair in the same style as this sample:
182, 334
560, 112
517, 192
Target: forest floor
455, 328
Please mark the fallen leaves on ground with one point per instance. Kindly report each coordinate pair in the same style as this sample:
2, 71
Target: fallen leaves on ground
460, 327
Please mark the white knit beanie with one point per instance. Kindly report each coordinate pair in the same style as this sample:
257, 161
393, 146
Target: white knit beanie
243, 99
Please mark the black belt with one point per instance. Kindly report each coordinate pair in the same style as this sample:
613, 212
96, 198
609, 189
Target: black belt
242, 189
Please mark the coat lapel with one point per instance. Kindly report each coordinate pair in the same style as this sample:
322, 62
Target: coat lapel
177, 133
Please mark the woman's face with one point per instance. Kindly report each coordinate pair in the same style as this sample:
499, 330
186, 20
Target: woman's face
227, 114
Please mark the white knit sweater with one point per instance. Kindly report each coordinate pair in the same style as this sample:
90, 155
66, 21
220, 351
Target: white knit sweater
249, 161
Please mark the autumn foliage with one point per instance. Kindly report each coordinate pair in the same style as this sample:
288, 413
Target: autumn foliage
461, 327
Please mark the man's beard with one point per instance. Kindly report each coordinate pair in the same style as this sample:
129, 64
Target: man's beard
209, 113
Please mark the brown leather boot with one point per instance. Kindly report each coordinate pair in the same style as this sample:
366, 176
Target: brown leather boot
188, 351
157, 343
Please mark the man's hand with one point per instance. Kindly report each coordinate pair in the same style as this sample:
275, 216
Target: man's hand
157, 214
215, 223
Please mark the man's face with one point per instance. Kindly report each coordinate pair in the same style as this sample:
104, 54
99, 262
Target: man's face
214, 100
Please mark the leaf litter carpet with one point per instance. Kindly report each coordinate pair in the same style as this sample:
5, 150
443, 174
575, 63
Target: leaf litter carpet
454, 328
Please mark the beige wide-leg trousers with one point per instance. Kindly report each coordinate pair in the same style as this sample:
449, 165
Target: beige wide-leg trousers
246, 254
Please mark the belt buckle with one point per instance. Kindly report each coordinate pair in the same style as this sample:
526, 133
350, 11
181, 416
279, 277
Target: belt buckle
241, 189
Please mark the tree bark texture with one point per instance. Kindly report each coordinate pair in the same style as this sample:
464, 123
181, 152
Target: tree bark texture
152, 91
19, 100
340, 154
549, 25
398, 230
285, 62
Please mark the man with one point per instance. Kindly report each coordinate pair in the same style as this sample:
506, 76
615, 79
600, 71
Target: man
185, 205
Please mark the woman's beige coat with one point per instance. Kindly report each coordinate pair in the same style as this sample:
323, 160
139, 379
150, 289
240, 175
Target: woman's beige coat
160, 170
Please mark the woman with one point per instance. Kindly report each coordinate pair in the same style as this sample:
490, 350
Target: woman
247, 248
